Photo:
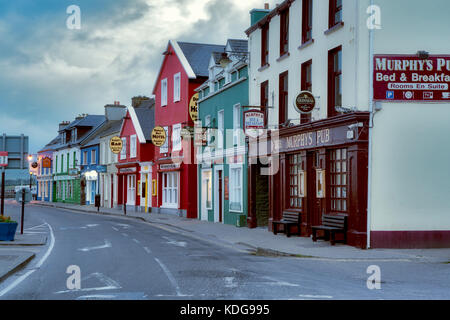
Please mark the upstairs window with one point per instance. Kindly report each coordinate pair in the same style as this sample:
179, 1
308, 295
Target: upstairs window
164, 92
264, 98
123, 152
307, 20
335, 16
177, 87
236, 124
306, 86
283, 102
284, 32
93, 156
265, 45
334, 81
220, 129
133, 146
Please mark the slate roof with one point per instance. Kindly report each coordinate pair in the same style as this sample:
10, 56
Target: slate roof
198, 55
238, 45
146, 116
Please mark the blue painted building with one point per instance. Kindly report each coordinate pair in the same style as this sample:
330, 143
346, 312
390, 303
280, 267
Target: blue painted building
91, 168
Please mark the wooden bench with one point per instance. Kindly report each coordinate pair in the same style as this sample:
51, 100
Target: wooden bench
289, 220
331, 224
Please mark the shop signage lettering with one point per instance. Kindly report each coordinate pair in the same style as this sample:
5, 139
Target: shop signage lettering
159, 136
3, 159
309, 139
46, 163
410, 78
305, 102
193, 107
169, 166
115, 144
127, 170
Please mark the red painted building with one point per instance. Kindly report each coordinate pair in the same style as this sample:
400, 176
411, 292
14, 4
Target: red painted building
135, 160
184, 68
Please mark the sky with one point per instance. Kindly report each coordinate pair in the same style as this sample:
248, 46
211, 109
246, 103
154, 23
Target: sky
49, 73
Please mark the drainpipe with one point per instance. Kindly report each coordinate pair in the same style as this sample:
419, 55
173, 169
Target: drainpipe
371, 109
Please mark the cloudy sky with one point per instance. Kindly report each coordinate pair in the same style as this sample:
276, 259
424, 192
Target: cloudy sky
49, 73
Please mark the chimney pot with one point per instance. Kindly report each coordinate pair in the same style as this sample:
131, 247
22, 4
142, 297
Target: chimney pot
266, 6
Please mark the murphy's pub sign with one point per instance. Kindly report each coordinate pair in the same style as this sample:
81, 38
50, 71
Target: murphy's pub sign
411, 78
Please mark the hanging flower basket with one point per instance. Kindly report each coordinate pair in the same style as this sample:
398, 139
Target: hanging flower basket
7, 229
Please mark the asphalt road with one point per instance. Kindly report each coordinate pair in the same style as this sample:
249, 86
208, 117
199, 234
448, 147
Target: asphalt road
121, 258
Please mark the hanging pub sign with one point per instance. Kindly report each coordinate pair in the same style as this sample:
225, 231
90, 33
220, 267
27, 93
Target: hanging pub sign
254, 120
46, 163
115, 144
159, 136
3, 159
305, 102
193, 107
403, 78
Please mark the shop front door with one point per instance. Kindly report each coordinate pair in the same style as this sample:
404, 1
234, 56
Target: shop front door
313, 204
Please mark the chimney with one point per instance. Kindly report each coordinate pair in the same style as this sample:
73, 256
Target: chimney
258, 14
137, 101
63, 124
115, 111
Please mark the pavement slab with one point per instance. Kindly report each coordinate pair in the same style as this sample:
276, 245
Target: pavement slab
13, 260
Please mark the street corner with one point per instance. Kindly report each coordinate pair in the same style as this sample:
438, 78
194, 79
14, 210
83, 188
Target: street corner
12, 261
25, 239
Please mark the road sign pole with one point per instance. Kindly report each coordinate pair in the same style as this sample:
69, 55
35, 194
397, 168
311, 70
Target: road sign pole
23, 210
3, 192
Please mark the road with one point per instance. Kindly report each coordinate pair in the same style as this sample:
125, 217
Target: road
122, 258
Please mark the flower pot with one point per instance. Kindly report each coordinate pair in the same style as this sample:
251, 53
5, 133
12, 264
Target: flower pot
7, 231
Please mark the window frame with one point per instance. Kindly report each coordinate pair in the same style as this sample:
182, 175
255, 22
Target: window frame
133, 146
232, 180
332, 75
164, 92
333, 185
177, 87
284, 32
123, 152
307, 20
265, 45
283, 94
333, 10
306, 86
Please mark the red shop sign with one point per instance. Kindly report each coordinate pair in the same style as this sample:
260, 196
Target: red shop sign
410, 78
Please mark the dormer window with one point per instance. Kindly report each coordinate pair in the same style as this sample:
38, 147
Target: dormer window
74, 135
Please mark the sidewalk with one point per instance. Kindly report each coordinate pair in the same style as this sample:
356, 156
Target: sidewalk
261, 241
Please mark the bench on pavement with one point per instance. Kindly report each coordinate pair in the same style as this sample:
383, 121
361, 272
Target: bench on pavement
331, 224
289, 220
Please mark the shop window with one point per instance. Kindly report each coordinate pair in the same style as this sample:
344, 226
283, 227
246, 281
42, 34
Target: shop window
170, 189
306, 85
295, 182
236, 189
339, 180
307, 20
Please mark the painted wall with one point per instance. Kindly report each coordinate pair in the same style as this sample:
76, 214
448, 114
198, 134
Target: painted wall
411, 176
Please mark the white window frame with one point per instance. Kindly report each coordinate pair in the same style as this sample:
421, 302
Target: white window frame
233, 187
171, 192
220, 129
123, 152
208, 188
177, 87
176, 137
93, 156
236, 124
164, 92
133, 146
165, 147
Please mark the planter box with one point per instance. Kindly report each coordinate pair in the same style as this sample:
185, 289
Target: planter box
7, 231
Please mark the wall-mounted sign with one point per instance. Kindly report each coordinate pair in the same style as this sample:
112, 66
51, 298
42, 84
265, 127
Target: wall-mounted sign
46, 163
410, 78
169, 166
187, 132
159, 136
193, 107
115, 144
320, 183
3, 159
305, 102
34, 165
301, 184
200, 137
254, 121
127, 170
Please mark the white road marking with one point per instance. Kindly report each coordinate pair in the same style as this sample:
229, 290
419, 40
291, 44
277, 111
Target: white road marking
170, 277
34, 232
106, 245
175, 243
147, 250
110, 284
230, 283
38, 265
123, 225
97, 296
125, 235
92, 225
275, 282
35, 227
314, 296
136, 240
115, 229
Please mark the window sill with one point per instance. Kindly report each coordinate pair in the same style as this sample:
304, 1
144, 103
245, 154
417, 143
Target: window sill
264, 67
334, 28
306, 44
284, 56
